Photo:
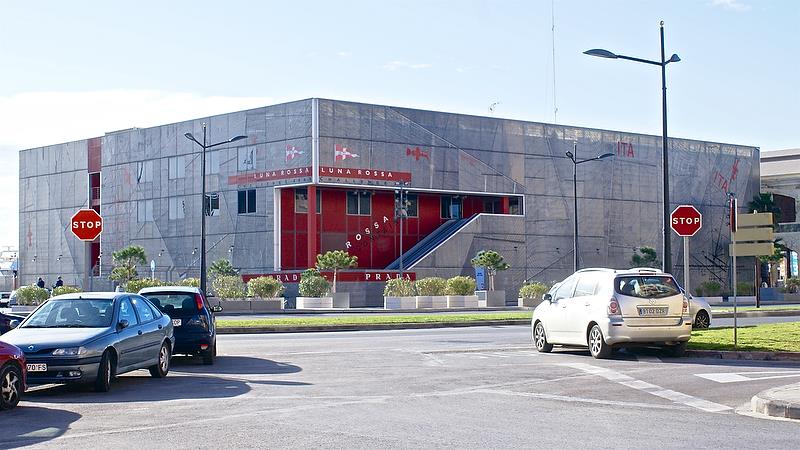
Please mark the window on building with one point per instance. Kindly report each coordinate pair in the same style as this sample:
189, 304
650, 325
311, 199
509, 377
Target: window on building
212, 162
177, 208
412, 205
359, 203
515, 206
212, 204
247, 201
450, 207
144, 211
301, 201
177, 167
247, 159
144, 172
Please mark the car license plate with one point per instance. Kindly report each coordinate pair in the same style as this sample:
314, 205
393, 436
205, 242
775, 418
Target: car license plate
647, 311
37, 367
176, 322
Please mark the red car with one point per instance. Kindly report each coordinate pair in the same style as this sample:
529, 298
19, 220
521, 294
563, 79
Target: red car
12, 375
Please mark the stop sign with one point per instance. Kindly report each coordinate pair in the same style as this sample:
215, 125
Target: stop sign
686, 220
86, 224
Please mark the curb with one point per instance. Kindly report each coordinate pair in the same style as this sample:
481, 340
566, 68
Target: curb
783, 402
745, 356
360, 311
369, 327
778, 313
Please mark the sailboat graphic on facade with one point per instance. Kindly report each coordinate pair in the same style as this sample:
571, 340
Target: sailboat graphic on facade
341, 153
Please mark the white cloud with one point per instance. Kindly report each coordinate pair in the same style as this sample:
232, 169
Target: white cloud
733, 5
344, 54
395, 65
35, 119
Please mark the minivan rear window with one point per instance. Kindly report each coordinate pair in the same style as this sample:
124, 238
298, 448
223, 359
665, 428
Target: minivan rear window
649, 286
173, 303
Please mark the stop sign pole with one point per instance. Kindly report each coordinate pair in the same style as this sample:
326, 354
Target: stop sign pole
686, 221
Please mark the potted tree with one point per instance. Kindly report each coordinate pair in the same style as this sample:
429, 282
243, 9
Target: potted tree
399, 294
314, 289
125, 261
461, 292
230, 292
431, 292
492, 262
265, 292
337, 260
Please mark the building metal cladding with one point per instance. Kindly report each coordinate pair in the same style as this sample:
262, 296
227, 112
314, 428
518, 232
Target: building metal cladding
317, 175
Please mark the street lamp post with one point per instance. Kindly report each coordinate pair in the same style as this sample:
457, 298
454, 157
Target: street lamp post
204, 146
401, 214
665, 158
572, 157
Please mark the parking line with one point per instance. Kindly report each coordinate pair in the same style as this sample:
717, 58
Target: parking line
658, 391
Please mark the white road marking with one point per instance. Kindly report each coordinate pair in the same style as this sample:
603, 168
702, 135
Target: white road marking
674, 396
735, 377
648, 359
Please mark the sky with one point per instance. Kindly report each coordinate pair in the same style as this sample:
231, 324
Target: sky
78, 69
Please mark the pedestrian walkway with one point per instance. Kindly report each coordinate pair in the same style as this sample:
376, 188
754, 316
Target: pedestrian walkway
783, 401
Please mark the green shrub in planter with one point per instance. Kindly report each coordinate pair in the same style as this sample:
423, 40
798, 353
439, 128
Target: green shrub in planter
461, 286
135, 286
793, 284
431, 286
66, 290
265, 287
533, 290
191, 282
744, 288
710, 288
313, 284
31, 295
399, 287
228, 286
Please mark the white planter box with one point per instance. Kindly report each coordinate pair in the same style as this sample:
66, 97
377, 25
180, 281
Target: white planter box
435, 301
528, 302
233, 304
462, 301
314, 303
399, 302
341, 300
492, 299
266, 304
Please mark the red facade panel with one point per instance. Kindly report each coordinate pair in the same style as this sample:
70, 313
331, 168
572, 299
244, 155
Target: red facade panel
95, 154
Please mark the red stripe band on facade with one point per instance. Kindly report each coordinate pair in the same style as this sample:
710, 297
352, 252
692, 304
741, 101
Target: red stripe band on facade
347, 277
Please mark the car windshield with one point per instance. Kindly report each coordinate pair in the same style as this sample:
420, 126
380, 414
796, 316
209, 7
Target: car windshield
72, 313
652, 286
173, 303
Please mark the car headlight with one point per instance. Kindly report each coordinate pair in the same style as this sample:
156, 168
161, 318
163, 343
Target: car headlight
69, 351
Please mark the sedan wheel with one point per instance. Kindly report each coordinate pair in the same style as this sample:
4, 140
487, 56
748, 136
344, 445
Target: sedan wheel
10, 386
105, 373
161, 369
597, 345
540, 339
702, 320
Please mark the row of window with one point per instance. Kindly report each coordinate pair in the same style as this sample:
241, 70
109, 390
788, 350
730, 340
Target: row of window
359, 203
177, 206
176, 167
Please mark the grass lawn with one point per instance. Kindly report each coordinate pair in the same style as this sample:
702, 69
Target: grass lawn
369, 319
720, 309
774, 337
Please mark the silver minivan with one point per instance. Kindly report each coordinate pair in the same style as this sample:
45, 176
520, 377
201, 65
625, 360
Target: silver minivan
605, 309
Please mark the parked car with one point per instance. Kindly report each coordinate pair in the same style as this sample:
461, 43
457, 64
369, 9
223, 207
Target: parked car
605, 309
9, 321
192, 318
5, 299
701, 311
92, 337
12, 375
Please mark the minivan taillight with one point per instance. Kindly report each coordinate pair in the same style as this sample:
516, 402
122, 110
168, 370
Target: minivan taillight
613, 307
199, 300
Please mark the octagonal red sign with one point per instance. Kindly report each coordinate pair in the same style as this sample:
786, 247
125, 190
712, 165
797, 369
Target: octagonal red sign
686, 220
86, 224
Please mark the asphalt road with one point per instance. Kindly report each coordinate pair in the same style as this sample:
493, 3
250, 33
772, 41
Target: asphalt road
481, 387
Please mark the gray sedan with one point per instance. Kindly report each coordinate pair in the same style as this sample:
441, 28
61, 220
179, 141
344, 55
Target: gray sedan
92, 337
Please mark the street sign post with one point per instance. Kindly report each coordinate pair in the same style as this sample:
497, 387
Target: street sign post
86, 224
686, 221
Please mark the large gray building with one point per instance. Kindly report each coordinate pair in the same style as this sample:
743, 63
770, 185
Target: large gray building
472, 182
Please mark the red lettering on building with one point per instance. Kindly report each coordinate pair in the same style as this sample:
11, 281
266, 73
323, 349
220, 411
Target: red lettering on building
364, 174
625, 149
270, 175
347, 277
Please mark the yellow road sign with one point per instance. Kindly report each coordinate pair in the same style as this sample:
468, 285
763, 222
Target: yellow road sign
759, 249
753, 220
754, 234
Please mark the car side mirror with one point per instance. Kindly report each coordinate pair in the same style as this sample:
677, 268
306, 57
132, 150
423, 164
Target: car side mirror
216, 308
13, 324
547, 297
122, 324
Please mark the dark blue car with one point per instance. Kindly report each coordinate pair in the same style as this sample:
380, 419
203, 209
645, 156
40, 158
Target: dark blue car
192, 319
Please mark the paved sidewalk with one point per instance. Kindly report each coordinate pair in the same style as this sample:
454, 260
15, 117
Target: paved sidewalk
783, 402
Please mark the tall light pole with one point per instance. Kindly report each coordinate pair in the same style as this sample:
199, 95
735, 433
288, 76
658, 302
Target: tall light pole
203, 213
572, 157
664, 156
400, 213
